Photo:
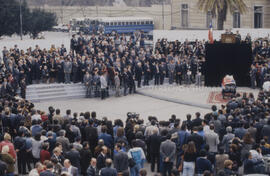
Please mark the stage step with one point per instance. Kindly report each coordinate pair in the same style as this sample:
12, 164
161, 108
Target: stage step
44, 92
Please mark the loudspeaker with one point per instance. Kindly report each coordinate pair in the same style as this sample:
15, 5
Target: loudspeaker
232, 59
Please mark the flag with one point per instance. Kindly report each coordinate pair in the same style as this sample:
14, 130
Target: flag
210, 34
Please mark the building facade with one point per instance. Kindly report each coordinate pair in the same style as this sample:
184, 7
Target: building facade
186, 15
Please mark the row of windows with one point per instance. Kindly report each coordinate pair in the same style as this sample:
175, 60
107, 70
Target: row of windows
123, 23
258, 17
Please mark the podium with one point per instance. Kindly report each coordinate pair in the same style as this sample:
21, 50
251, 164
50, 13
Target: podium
228, 38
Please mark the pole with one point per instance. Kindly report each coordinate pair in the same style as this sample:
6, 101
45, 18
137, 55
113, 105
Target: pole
171, 14
21, 19
163, 14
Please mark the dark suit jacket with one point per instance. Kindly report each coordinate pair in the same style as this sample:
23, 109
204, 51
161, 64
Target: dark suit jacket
91, 135
74, 157
101, 161
154, 142
47, 173
121, 161
107, 138
74, 171
108, 172
91, 171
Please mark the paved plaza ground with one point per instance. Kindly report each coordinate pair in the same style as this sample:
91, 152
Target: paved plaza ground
161, 101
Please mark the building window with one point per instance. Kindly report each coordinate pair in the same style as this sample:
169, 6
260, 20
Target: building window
184, 15
258, 17
236, 20
208, 19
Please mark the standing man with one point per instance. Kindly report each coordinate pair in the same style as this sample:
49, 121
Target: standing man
139, 73
108, 171
73, 171
171, 70
147, 73
253, 73
73, 44
103, 85
67, 70
120, 159
154, 144
117, 84
92, 169
23, 88
162, 72
157, 73
87, 80
167, 153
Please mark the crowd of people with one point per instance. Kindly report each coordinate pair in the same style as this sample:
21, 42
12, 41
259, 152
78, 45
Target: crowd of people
229, 140
120, 59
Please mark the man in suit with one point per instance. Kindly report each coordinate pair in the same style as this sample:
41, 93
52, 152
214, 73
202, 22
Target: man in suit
63, 140
74, 156
196, 138
167, 153
67, 70
91, 135
212, 139
102, 158
120, 159
163, 70
92, 169
154, 147
87, 80
73, 171
139, 73
48, 171
108, 171
107, 138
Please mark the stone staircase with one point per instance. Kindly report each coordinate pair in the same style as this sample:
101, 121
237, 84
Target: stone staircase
44, 92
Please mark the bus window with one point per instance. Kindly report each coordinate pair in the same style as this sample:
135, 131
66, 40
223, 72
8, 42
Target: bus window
151, 22
115, 23
138, 23
147, 22
119, 23
123, 23
111, 24
134, 23
107, 23
142, 22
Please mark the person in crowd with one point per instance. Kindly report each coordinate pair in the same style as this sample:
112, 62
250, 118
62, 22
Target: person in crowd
38, 169
92, 169
189, 159
120, 159
138, 156
102, 158
9, 160
85, 156
167, 153
108, 171
212, 139
154, 143
7, 142
219, 160
48, 171
202, 163
73, 171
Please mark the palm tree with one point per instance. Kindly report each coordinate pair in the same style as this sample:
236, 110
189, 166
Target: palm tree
220, 8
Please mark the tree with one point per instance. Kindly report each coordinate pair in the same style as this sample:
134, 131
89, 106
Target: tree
220, 9
9, 17
33, 21
40, 20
